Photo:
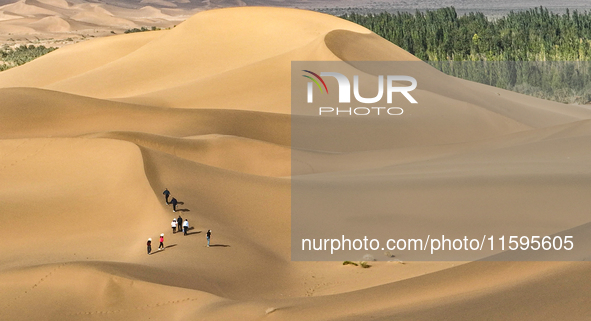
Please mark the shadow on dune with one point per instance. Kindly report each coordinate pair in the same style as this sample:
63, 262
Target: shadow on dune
158, 251
219, 245
183, 210
195, 232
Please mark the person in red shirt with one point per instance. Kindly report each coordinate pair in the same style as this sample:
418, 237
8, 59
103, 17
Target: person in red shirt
161, 246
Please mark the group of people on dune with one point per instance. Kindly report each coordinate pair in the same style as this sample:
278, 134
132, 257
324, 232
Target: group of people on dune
177, 224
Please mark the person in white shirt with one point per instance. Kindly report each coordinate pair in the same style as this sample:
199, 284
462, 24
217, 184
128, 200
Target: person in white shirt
174, 225
185, 226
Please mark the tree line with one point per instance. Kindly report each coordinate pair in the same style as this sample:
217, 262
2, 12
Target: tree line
12, 57
142, 29
534, 52
533, 35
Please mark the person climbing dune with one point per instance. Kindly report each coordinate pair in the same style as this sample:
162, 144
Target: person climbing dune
173, 201
166, 195
149, 246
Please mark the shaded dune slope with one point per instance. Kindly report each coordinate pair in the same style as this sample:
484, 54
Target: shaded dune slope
29, 112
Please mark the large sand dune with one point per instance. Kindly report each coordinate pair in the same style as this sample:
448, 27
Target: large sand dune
50, 22
91, 134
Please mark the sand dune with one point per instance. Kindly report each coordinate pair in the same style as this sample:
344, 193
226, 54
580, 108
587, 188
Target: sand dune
5, 16
223, 151
56, 3
51, 24
191, 59
152, 13
91, 134
12, 29
161, 3
98, 18
21, 8
49, 20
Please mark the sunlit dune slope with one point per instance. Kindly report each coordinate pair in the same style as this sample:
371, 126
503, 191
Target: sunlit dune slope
210, 43
91, 135
71, 193
74, 60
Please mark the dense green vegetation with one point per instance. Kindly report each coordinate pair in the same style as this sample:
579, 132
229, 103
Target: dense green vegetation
534, 52
563, 81
536, 34
10, 57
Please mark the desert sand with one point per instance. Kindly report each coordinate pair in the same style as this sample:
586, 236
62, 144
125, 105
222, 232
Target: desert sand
55, 23
91, 134
59, 22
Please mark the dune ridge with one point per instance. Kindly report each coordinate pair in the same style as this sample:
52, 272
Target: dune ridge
91, 134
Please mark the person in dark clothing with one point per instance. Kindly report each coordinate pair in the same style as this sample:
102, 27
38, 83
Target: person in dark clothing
208, 237
173, 202
149, 246
179, 224
166, 195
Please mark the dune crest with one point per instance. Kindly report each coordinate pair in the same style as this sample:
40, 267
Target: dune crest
56, 3
52, 24
21, 8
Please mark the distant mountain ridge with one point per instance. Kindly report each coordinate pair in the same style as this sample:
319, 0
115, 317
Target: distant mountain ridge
188, 4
